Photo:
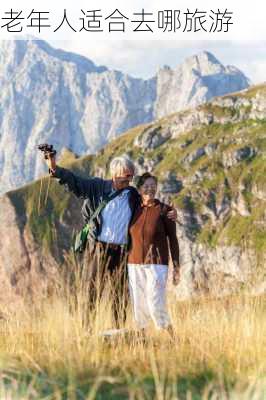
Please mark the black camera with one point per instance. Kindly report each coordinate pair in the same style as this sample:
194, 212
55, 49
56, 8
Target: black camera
47, 149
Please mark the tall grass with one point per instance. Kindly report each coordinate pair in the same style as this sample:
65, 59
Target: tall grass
51, 349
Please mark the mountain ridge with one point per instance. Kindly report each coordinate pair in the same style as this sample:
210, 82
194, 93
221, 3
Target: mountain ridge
51, 95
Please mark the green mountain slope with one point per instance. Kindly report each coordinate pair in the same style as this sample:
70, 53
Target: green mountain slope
210, 161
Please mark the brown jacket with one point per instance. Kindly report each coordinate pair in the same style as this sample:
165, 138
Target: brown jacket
150, 231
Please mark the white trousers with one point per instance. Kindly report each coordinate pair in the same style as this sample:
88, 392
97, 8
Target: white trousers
147, 286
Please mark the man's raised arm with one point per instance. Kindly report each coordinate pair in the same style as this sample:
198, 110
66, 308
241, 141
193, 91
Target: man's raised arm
81, 187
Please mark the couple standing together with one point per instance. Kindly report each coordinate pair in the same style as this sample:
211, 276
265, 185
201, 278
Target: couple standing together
132, 236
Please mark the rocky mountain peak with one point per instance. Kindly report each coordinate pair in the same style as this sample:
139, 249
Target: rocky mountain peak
204, 63
49, 95
197, 80
16, 50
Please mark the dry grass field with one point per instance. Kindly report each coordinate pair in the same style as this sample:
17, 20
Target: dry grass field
51, 349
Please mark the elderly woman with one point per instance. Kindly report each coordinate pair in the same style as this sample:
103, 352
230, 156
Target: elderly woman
152, 235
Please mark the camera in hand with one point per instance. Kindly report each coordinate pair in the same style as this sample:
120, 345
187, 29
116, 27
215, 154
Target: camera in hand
48, 150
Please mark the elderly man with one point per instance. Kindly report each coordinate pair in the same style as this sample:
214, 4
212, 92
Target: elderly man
107, 251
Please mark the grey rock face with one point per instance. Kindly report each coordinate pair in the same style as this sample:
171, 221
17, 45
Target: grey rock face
152, 138
48, 95
145, 165
259, 192
210, 148
219, 272
195, 81
239, 206
193, 156
170, 184
186, 121
244, 153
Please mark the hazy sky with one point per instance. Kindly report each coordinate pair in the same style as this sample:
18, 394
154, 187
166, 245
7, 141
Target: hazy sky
143, 58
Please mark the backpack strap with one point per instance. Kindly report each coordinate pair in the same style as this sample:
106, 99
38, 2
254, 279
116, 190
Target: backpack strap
101, 206
82, 236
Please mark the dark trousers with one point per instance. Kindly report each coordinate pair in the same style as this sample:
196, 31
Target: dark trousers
108, 263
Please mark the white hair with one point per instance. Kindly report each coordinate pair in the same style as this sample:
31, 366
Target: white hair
119, 164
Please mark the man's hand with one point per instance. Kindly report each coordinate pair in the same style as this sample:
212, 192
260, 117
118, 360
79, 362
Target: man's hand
176, 276
49, 155
172, 214
50, 161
